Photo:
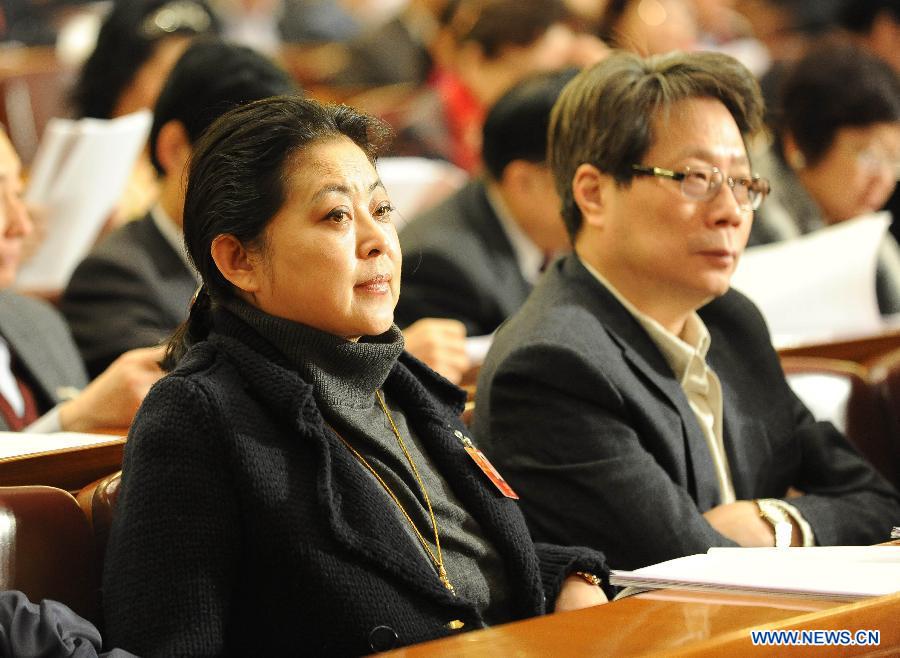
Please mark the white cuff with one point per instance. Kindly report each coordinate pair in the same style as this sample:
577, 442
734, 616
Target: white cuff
806, 530
46, 424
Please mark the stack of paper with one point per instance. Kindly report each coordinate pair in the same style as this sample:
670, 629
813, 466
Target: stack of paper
18, 444
78, 175
840, 572
820, 286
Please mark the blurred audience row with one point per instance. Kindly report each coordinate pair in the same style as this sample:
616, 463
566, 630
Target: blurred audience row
471, 82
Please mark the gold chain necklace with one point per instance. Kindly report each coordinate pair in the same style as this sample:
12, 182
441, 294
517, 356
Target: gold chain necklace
437, 560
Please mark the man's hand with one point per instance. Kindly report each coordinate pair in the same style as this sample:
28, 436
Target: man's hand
740, 522
441, 344
111, 400
577, 593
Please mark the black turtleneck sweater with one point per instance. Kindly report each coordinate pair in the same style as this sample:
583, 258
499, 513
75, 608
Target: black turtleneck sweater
345, 376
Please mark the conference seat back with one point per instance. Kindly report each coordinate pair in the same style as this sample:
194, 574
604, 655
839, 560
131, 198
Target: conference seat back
47, 548
98, 502
843, 392
885, 379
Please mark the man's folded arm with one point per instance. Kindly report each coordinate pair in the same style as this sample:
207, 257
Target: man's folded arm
562, 437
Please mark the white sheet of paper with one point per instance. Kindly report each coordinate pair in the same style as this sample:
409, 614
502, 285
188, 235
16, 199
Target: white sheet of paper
820, 286
17, 444
840, 571
477, 348
78, 175
414, 184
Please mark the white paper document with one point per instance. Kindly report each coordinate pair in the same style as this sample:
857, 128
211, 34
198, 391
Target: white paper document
841, 572
18, 444
820, 286
414, 184
477, 348
79, 173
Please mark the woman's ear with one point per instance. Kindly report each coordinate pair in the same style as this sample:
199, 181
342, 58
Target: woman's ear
589, 189
236, 263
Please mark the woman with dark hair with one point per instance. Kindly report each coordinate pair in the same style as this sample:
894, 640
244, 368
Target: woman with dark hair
299, 484
836, 152
138, 45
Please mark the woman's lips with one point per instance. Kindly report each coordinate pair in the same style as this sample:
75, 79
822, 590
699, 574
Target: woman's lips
378, 284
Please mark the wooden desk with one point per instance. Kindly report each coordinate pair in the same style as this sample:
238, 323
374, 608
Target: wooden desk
677, 623
67, 468
858, 350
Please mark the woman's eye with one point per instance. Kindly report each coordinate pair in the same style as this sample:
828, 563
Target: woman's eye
384, 211
339, 215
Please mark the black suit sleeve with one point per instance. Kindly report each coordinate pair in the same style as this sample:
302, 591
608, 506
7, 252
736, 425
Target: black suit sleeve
436, 287
111, 309
846, 501
566, 442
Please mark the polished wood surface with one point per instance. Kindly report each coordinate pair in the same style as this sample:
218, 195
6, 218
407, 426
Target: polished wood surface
677, 622
69, 468
859, 350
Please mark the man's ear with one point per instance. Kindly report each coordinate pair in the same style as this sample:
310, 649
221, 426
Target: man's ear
173, 147
516, 177
792, 153
590, 188
235, 263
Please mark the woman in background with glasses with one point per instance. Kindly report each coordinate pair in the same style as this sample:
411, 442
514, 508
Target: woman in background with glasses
836, 152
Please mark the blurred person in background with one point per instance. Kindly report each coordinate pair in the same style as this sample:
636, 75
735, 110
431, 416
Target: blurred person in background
476, 256
397, 51
134, 288
649, 27
41, 373
485, 48
786, 29
138, 44
836, 152
875, 25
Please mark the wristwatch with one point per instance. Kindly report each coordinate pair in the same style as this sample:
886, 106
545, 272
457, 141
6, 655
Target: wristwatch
778, 519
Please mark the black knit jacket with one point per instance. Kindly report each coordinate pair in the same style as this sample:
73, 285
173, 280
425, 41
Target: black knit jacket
245, 527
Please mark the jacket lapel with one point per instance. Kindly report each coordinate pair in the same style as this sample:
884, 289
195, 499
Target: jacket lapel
19, 333
648, 364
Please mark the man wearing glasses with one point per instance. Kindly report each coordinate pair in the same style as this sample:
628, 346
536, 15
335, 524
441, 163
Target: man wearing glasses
635, 401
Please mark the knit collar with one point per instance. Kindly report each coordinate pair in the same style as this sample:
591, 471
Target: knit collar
342, 373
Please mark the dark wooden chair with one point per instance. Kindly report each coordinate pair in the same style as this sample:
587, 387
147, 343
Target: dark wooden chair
885, 380
47, 548
98, 502
864, 415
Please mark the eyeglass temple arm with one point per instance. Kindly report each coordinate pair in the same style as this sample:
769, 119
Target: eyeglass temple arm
657, 171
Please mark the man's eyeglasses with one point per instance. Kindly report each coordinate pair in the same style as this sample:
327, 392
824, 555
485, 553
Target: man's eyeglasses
703, 183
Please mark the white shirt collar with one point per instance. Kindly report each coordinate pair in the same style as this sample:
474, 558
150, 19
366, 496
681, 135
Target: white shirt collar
173, 234
678, 351
9, 387
528, 255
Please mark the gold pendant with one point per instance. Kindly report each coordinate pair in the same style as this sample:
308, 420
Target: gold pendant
442, 574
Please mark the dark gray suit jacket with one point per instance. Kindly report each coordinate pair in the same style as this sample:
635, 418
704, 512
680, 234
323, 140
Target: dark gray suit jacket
581, 412
131, 291
40, 339
458, 263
